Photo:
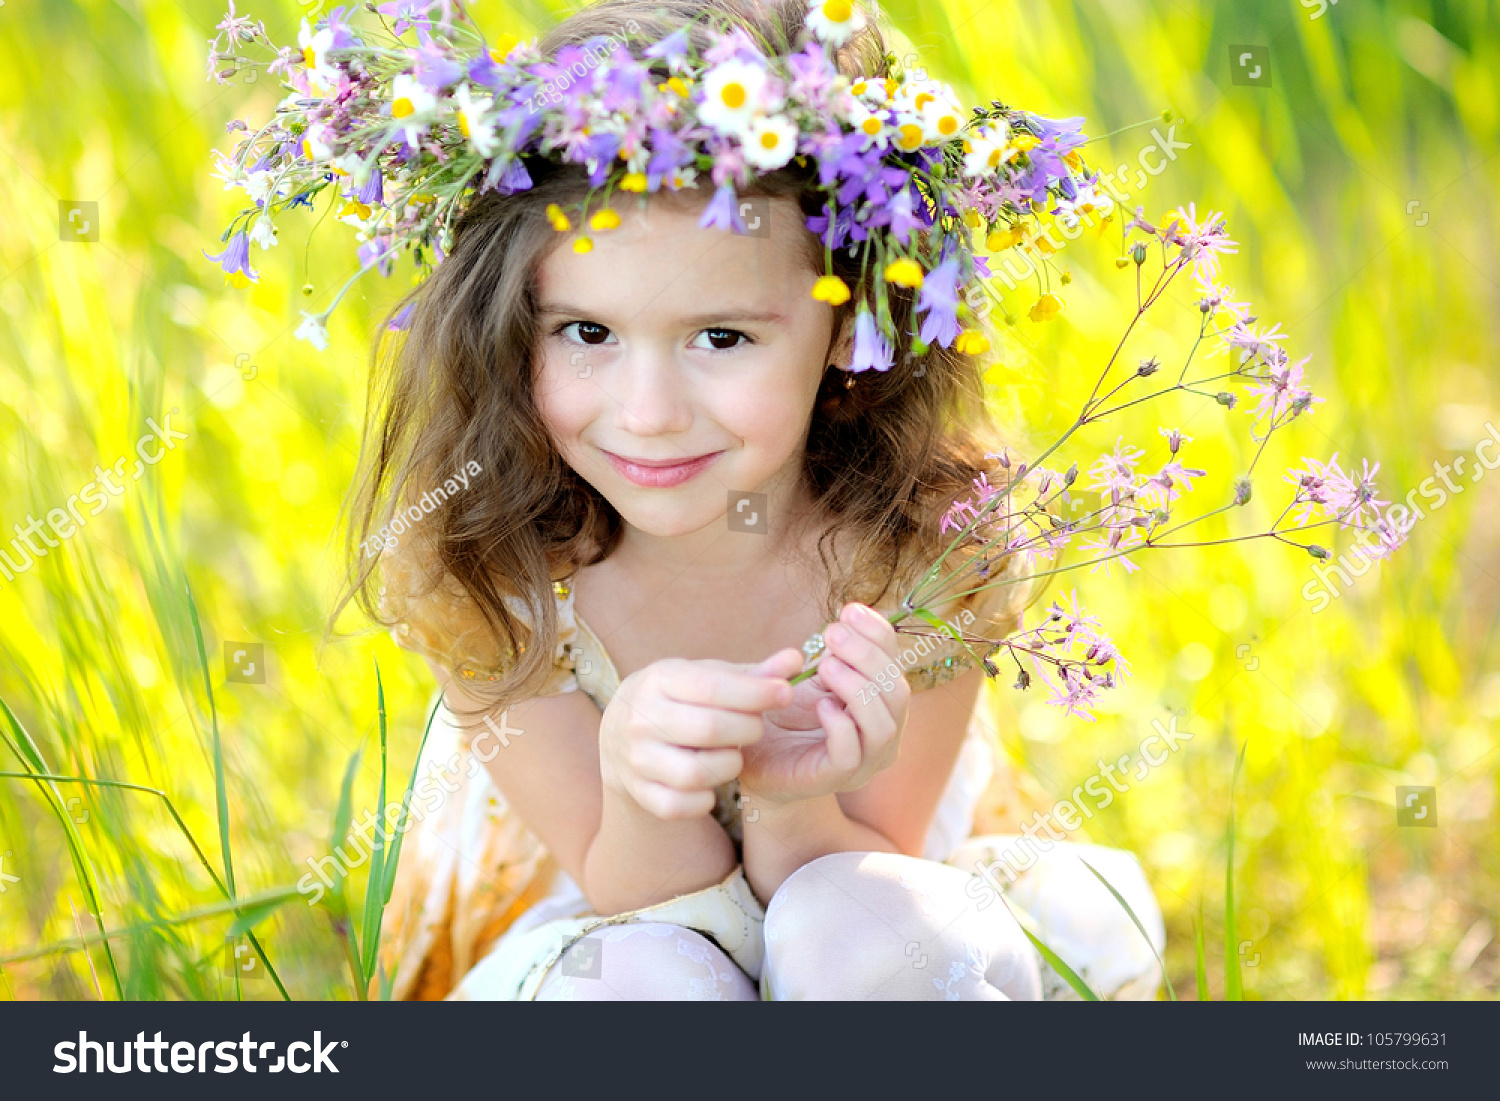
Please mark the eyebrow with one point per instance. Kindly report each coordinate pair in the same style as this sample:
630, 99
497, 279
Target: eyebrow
564, 308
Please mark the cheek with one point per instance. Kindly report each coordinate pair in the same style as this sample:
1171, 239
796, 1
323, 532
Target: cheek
565, 402
768, 415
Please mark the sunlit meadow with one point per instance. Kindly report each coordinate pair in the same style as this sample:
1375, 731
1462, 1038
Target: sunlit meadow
1353, 152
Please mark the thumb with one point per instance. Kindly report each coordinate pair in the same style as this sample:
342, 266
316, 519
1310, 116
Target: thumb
783, 663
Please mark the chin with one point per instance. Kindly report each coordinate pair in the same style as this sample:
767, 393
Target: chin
667, 518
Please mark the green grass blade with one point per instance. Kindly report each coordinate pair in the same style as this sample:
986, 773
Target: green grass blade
1171, 994
1070, 976
388, 878
390, 867
218, 909
339, 908
1201, 972
28, 754
1234, 989
344, 814
1062, 968
182, 828
371, 913
220, 793
252, 915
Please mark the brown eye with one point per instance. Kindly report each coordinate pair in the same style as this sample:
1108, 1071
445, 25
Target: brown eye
588, 332
724, 339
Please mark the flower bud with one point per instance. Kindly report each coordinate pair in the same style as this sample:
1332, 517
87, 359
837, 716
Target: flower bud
990, 668
1226, 399
1149, 366
1138, 253
1023, 679
1242, 491
1317, 551
307, 289
1071, 476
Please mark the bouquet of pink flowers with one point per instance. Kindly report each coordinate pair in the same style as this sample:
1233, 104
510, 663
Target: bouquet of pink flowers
1033, 515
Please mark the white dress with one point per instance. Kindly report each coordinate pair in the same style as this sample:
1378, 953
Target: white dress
470, 868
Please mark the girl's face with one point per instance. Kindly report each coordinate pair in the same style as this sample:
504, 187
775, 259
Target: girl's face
679, 365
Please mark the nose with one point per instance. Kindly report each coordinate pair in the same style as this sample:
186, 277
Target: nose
653, 395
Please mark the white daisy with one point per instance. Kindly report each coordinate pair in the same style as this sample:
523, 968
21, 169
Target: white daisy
317, 142
770, 142
872, 125
412, 102
315, 47
733, 94
872, 91
984, 151
476, 122
680, 178
834, 21
1086, 205
352, 165
942, 117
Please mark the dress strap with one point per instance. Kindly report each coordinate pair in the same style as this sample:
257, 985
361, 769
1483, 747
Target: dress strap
580, 650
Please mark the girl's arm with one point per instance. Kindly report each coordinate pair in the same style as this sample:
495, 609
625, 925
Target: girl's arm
890, 813
621, 856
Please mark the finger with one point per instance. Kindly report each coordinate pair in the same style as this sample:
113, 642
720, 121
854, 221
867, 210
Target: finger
665, 803
872, 625
867, 702
783, 663
685, 770
842, 742
694, 727
865, 655
719, 684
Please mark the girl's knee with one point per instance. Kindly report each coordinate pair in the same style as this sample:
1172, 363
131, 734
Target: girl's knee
645, 961
886, 926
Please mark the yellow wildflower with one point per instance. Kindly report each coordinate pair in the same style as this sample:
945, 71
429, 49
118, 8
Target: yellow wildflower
905, 271
831, 289
1047, 307
971, 342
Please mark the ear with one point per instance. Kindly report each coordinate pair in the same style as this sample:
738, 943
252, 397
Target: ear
841, 346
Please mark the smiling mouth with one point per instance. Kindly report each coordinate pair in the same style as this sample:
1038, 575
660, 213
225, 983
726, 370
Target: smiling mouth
660, 473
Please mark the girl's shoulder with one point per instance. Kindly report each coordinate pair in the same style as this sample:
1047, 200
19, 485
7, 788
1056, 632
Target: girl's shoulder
428, 611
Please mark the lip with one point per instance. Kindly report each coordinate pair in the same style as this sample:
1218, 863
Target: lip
660, 473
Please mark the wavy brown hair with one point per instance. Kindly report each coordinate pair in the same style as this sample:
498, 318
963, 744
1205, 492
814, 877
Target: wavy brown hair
884, 458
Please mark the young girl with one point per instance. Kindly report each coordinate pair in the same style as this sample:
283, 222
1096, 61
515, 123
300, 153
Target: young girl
675, 481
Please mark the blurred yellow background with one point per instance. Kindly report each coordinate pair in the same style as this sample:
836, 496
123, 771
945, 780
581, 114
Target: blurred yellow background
1354, 153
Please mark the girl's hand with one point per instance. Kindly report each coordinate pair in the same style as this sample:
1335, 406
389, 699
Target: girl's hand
673, 730
844, 724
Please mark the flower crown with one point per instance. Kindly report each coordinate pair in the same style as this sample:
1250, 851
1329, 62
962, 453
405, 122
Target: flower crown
408, 135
